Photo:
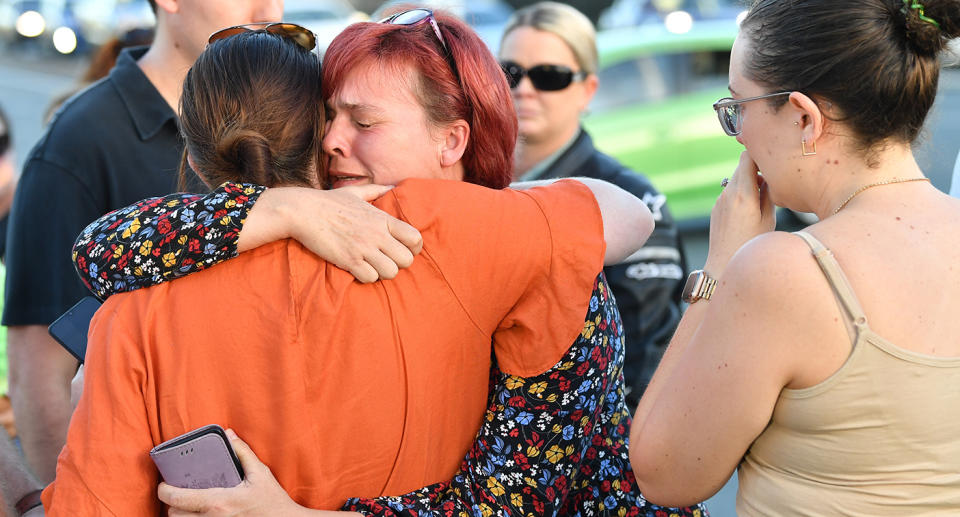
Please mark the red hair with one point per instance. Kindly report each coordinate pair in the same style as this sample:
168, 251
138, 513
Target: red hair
481, 96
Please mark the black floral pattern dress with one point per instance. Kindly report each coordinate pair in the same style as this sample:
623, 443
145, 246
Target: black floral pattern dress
553, 444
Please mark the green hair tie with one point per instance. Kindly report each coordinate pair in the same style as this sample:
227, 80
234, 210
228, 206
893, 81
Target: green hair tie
916, 5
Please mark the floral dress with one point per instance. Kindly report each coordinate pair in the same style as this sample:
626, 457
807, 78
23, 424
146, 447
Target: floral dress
553, 444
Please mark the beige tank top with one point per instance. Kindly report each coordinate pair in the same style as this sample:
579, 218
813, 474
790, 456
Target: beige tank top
881, 436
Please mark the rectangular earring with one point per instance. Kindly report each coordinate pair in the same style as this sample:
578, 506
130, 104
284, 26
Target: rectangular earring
803, 148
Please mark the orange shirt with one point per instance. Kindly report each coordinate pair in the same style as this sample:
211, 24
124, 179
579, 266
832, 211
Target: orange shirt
343, 389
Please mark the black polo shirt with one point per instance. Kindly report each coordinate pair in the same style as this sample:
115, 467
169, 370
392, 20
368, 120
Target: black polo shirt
110, 145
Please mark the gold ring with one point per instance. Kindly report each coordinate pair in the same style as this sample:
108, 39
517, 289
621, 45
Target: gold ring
724, 183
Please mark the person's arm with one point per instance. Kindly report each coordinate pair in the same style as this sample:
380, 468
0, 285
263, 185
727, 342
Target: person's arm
16, 480
161, 239
40, 373
647, 286
340, 226
50, 207
730, 356
627, 222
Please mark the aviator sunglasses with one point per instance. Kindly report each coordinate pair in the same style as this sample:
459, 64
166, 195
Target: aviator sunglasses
730, 111
547, 78
299, 35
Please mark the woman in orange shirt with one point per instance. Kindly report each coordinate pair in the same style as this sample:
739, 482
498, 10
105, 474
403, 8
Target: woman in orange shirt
601, 412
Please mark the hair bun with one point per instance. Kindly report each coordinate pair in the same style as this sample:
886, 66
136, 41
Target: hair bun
247, 153
930, 23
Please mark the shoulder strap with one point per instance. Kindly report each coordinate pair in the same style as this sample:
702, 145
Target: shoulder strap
836, 278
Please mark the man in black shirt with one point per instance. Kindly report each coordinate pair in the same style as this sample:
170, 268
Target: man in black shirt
110, 145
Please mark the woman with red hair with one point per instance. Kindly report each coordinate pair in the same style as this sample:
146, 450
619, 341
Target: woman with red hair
553, 440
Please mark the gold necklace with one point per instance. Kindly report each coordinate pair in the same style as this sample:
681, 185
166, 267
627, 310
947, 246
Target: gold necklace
877, 184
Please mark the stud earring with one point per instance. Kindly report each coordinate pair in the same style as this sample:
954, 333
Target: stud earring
803, 148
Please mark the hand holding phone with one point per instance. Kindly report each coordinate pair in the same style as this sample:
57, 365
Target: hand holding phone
202, 458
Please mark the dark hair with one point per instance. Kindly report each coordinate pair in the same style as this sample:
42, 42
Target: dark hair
251, 110
876, 61
107, 54
6, 135
153, 5
480, 95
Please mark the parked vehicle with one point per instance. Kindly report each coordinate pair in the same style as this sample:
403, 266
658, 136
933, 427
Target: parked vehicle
654, 112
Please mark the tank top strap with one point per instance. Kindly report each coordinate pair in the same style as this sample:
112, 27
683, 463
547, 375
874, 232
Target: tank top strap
838, 281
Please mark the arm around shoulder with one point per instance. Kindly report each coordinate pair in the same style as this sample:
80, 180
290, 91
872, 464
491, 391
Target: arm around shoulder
627, 221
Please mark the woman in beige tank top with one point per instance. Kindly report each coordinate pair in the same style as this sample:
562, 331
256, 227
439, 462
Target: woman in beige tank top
826, 364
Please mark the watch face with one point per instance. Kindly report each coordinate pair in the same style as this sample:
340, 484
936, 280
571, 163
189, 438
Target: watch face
691, 290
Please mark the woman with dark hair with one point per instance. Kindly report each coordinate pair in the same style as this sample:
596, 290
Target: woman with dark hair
555, 437
824, 363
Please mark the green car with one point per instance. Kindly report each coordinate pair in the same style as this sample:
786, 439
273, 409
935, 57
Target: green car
653, 111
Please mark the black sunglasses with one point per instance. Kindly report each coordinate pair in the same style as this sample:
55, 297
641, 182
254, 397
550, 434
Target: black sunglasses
296, 33
547, 78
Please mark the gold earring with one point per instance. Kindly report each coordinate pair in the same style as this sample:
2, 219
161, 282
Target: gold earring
803, 148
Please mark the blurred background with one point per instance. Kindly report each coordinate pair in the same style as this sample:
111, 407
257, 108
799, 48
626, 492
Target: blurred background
663, 63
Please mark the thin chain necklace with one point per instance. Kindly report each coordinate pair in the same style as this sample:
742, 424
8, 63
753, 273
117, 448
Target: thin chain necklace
877, 184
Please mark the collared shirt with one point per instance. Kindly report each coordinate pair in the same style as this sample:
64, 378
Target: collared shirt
539, 170
112, 144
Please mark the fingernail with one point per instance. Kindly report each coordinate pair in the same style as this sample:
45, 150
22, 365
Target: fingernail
230, 434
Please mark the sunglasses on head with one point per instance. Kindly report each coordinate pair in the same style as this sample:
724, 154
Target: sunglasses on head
547, 78
415, 17
299, 35
730, 111
418, 16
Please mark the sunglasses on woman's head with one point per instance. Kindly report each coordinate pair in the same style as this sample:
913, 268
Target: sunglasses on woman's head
730, 111
299, 35
547, 78
415, 17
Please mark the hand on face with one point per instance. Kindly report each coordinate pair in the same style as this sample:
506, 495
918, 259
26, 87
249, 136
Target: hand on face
743, 211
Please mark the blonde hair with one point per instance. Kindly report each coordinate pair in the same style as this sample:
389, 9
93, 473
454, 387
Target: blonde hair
565, 22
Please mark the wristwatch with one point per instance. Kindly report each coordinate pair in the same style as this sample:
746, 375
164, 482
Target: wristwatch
699, 286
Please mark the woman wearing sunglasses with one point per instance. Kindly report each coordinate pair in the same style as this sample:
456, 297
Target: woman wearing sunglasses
549, 53
554, 440
825, 363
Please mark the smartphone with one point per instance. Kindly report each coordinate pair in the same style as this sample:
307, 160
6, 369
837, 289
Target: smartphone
70, 329
202, 458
